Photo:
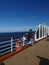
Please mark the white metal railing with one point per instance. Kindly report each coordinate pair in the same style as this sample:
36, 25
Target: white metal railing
4, 52
8, 41
5, 42
46, 32
6, 45
9, 46
5, 49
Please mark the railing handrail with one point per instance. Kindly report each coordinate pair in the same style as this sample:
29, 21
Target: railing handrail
9, 41
6, 45
5, 49
5, 41
5, 52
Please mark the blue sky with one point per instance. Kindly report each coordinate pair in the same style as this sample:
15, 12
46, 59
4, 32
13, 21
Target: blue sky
21, 15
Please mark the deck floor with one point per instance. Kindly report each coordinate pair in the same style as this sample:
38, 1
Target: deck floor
37, 54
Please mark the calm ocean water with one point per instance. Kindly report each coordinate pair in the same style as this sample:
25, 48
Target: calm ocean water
12, 34
6, 36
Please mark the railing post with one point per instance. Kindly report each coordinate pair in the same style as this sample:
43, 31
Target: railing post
11, 44
45, 30
48, 30
23, 40
42, 30
39, 31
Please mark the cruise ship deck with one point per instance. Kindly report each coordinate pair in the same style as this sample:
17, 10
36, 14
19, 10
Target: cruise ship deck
37, 54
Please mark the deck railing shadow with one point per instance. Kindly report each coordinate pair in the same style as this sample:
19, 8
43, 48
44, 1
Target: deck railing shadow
43, 61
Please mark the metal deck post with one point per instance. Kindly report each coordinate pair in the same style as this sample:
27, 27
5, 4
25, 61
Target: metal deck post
11, 44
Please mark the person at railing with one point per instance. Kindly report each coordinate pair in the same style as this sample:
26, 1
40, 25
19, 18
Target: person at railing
20, 43
17, 43
30, 36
